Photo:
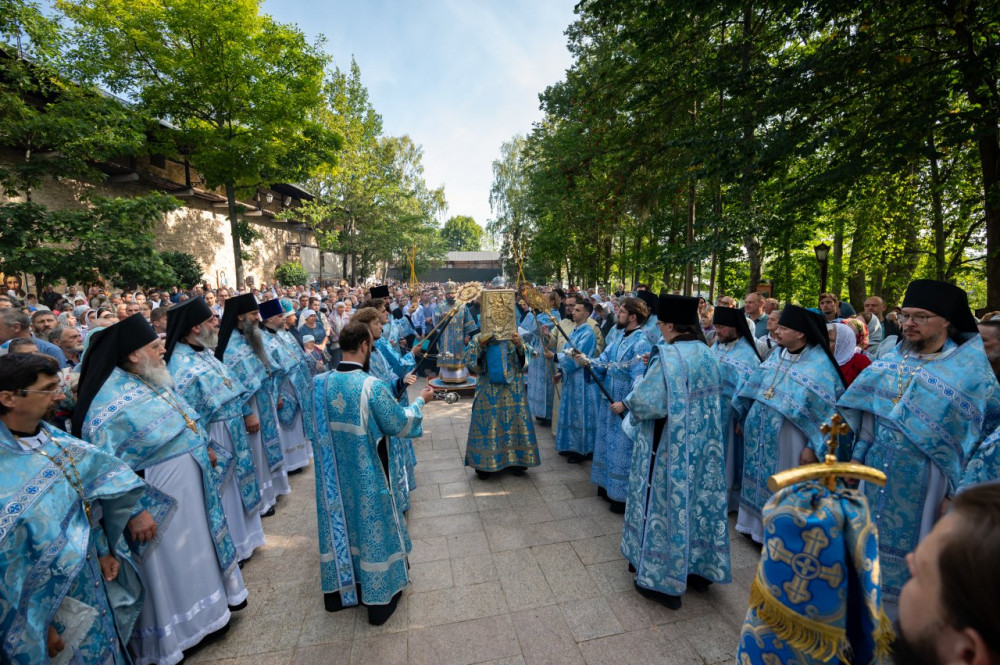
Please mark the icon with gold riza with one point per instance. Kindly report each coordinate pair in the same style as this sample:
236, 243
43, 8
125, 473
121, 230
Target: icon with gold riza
817, 597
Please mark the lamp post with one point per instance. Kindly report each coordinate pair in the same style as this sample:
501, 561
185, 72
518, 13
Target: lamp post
822, 253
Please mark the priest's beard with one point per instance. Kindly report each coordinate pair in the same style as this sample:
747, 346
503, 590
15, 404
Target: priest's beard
252, 335
368, 360
154, 372
921, 650
208, 338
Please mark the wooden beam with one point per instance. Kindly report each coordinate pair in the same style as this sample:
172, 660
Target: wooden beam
254, 213
183, 192
124, 177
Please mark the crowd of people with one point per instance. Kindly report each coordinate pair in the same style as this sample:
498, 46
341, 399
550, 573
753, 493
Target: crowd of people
147, 434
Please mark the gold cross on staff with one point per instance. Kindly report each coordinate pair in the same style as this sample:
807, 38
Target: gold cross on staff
806, 565
836, 427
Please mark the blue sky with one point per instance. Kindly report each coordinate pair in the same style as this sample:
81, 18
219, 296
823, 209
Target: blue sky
459, 76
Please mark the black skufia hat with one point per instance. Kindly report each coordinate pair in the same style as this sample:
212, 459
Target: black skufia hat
241, 304
944, 299
735, 318
813, 326
676, 309
106, 348
652, 302
381, 291
181, 318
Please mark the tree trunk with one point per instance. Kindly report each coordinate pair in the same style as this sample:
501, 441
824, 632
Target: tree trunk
856, 276
937, 213
234, 227
838, 257
750, 240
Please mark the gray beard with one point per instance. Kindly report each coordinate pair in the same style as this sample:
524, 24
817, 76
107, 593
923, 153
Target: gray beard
207, 338
252, 335
157, 375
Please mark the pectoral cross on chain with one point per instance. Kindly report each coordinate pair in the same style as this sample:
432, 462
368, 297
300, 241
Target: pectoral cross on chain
192, 425
805, 565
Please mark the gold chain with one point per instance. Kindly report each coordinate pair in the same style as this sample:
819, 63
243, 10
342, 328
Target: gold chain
900, 388
769, 393
191, 425
77, 484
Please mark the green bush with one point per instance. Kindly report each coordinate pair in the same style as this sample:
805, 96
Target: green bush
291, 274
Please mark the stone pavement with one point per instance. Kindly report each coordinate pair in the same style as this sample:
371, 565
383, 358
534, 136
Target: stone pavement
512, 570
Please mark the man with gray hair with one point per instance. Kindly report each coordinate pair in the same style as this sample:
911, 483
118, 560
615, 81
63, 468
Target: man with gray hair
15, 324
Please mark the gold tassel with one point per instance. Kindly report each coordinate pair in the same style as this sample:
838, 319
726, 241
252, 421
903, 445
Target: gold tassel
815, 639
884, 635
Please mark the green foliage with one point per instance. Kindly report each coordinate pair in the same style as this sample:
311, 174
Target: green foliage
291, 274
109, 238
243, 89
186, 268
461, 234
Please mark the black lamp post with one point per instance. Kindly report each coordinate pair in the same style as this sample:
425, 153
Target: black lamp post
822, 254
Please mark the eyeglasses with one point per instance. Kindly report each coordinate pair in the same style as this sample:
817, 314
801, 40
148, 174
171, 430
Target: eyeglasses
919, 319
23, 392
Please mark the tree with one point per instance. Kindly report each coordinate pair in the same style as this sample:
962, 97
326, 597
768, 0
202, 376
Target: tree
291, 274
110, 238
186, 268
462, 234
242, 89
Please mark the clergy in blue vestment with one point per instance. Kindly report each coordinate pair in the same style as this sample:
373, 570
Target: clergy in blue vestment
577, 406
783, 405
398, 377
363, 540
454, 337
127, 407
541, 387
676, 532
218, 396
58, 594
293, 382
618, 368
736, 350
501, 434
241, 348
919, 412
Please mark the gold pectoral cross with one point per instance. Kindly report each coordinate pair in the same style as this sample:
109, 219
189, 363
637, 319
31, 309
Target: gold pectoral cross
769, 393
192, 425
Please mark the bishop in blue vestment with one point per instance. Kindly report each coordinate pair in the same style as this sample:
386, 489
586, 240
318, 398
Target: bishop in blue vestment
736, 350
454, 336
920, 412
783, 405
363, 539
676, 532
619, 367
57, 494
501, 434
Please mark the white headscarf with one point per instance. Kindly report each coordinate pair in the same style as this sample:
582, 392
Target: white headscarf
846, 343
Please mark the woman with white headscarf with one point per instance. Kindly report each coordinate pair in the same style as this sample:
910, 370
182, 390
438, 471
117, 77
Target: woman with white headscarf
844, 344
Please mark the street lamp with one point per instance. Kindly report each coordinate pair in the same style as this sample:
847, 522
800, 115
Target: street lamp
822, 253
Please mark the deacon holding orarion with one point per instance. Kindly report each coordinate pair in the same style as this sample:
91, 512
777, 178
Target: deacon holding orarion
241, 348
736, 350
219, 397
920, 412
62, 592
127, 407
363, 541
676, 532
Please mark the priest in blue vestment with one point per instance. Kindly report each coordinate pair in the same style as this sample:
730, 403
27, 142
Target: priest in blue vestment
736, 350
577, 406
454, 337
783, 405
676, 531
920, 411
241, 348
398, 379
619, 367
363, 541
292, 381
651, 328
501, 434
220, 399
127, 407
59, 496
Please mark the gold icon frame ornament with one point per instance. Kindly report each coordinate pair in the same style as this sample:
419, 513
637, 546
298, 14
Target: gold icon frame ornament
468, 292
499, 313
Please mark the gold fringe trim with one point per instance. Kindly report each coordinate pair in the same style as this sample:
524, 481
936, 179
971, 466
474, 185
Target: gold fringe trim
815, 639
884, 635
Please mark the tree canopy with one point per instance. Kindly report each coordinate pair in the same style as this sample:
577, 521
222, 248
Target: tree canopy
461, 234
